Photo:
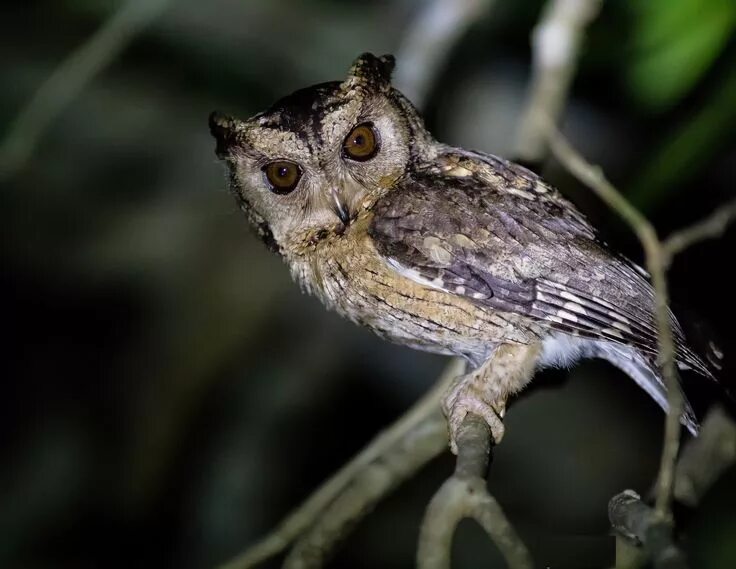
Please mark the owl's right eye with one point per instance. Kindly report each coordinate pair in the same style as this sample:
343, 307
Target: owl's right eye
282, 175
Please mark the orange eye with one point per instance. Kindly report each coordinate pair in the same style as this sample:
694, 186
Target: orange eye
282, 176
362, 143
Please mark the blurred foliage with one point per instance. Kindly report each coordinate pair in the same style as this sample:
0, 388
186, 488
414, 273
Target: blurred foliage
673, 44
689, 147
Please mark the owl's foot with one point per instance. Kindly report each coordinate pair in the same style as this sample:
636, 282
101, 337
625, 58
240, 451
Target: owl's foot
470, 394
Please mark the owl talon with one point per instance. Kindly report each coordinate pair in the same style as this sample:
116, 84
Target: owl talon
466, 397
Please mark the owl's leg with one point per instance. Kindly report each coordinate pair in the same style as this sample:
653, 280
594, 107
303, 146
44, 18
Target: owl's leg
484, 390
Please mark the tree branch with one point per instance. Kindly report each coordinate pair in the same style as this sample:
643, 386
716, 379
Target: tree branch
717, 441
703, 461
556, 43
465, 495
428, 43
347, 482
423, 443
656, 261
634, 520
711, 227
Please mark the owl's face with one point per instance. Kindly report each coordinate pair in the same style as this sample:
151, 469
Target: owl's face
307, 166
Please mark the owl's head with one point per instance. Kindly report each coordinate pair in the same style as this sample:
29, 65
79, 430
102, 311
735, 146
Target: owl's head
307, 166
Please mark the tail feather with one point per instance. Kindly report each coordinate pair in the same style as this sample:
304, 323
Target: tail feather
646, 375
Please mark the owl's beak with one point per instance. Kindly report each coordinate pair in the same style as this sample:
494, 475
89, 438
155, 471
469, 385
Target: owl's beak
341, 208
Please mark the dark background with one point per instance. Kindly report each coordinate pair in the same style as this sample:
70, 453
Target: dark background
168, 394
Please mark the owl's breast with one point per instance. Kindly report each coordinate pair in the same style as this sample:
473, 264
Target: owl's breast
351, 277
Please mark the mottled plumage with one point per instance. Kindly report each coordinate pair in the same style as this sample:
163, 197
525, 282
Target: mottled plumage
435, 247
497, 234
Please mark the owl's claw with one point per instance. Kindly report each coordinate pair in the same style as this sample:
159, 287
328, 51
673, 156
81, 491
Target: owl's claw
468, 396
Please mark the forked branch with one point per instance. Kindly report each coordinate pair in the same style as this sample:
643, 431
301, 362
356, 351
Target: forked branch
465, 495
702, 462
656, 262
630, 516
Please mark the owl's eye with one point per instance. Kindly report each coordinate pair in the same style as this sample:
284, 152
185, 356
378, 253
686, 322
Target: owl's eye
282, 176
362, 143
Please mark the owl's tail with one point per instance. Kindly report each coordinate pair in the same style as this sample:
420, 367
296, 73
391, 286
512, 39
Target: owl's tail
645, 374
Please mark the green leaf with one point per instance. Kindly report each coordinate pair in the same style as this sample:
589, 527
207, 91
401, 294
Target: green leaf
687, 148
674, 43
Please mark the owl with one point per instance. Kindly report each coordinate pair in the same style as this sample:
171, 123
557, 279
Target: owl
439, 248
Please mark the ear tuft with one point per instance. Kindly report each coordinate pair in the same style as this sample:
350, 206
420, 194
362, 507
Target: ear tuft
223, 128
371, 71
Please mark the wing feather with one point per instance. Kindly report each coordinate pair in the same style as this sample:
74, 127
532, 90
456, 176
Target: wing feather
494, 233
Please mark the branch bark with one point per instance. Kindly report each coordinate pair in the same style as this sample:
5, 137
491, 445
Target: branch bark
556, 43
355, 480
636, 521
465, 495
703, 461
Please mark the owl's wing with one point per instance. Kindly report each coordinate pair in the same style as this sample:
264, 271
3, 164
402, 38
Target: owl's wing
479, 227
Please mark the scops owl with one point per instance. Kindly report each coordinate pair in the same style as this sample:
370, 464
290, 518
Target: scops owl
439, 248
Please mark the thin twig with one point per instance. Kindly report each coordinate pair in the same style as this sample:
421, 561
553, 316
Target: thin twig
70, 78
656, 262
465, 495
556, 43
711, 227
304, 516
428, 43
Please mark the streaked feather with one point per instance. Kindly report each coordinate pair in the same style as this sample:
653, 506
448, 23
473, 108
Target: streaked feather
500, 237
